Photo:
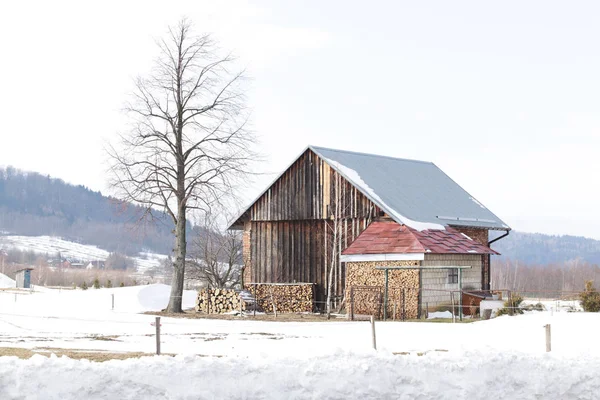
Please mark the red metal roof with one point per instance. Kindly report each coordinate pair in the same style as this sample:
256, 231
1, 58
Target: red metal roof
389, 237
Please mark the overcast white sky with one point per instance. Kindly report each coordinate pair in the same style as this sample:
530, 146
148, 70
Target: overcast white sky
503, 96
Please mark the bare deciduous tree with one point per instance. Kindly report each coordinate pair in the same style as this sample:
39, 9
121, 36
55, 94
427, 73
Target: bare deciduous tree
216, 257
188, 146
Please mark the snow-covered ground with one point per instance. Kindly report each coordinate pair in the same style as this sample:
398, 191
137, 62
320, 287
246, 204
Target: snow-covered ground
555, 305
245, 359
6, 282
52, 245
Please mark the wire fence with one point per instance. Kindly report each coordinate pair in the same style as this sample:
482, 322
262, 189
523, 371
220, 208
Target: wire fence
396, 304
360, 303
409, 304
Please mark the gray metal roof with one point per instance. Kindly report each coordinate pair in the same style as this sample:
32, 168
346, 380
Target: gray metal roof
414, 193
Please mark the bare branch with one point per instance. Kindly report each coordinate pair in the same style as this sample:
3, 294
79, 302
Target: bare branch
189, 144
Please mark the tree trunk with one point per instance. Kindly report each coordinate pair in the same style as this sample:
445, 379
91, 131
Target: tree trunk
175, 301
330, 277
335, 250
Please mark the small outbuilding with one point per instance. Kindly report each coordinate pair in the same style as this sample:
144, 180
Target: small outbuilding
417, 269
23, 278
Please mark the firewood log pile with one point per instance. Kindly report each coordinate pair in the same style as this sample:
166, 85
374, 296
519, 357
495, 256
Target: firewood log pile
298, 297
367, 298
219, 301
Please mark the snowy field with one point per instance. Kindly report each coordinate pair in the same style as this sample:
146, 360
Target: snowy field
245, 359
51, 245
6, 282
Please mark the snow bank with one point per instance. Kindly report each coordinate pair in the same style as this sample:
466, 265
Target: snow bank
439, 314
6, 282
334, 376
247, 359
94, 302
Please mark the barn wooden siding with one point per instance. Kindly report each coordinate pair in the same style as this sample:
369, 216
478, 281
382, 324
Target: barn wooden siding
482, 236
292, 226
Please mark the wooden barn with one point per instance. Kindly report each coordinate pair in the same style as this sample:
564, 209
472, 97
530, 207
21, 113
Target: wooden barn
297, 229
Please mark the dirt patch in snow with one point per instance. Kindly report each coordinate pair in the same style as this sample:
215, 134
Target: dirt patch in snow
71, 353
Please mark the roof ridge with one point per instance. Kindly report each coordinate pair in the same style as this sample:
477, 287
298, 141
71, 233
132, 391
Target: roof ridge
359, 153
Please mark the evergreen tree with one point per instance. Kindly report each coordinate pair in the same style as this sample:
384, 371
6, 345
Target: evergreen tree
590, 298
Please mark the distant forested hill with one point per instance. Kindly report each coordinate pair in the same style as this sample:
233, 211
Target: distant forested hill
32, 204
537, 248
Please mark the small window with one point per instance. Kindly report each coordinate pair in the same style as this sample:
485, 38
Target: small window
453, 275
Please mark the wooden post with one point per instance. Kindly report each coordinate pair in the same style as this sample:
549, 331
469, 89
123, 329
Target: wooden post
241, 300
352, 303
385, 298
373, 332
452, 300
395, 304
426, 309
328, 307
273, 303
548, 338
255, 300
208, 299
113, 301
157, 323
403, 304
460, 303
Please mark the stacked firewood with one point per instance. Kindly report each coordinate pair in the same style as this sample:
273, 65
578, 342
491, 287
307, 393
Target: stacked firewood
219, 301
369, 282
273, 297
367, 274
365, 300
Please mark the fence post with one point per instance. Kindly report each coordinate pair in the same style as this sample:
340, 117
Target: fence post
208, 299
385, 298
548, 338
395, 305
352, 303
453, 310
273, 303
373, 332
157, 323
460, 294
113, 301
403, 304
255, 300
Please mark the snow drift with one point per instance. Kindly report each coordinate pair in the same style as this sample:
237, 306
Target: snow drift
6, 282
336, 376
